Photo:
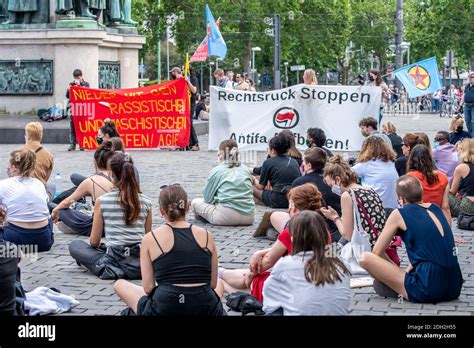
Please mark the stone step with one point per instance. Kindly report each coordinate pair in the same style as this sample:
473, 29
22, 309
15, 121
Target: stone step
12, 130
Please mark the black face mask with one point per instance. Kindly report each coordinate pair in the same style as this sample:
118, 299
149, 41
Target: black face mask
99, 140
371, 78
459, 129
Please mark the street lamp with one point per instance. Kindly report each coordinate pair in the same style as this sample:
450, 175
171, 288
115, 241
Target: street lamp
254, 49
406, 46
286, 73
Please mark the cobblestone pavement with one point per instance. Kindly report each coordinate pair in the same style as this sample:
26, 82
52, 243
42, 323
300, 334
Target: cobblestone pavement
57, 269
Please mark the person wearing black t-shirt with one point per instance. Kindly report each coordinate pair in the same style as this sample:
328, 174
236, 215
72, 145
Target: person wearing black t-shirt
279, 171
410, 140
314, 160
192, 83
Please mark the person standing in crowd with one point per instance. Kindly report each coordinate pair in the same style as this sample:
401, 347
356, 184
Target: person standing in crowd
376, 169
124, 215
78, 81
433, 274
461, 194
309, 77
279, 171
179, 261
375, 80
410, 140
25, 200
368, 127
72, 221
203, 109
230, 78
467, 102
435, 106
302, 198
241, 85
445, 154
453, 92
44, 158
308, 282
228, 198
223, 81
251, 84
389, 130
315, 137
457, 131
342, 180
192, 83
435, 183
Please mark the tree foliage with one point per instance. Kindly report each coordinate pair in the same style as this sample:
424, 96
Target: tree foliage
313, 32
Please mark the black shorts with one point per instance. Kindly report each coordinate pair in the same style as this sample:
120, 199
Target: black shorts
170, 300
274, 199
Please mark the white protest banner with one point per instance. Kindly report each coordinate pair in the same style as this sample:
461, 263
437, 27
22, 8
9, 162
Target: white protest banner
252, 119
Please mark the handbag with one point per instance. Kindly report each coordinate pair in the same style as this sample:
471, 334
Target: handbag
281, 188
391, 250
466, 222
120, 263
352, 251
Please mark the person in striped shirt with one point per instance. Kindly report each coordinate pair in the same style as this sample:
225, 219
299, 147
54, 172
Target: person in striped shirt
124, 214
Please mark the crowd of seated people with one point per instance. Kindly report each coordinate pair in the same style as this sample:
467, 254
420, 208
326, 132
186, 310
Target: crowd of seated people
399, 187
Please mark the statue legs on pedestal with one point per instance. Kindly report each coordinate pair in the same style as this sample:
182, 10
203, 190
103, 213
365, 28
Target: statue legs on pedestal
20, 11
83, 8
126, 12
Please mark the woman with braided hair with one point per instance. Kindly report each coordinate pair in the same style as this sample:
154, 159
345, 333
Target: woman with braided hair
124, 215
182, 260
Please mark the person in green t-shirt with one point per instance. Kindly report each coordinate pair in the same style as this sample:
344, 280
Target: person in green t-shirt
228, 197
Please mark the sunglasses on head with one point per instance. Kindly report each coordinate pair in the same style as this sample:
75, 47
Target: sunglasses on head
162, 187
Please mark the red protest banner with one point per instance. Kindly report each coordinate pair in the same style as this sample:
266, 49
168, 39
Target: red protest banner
147, 117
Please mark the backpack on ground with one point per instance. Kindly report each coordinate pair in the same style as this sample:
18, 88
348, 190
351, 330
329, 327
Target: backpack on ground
245, 303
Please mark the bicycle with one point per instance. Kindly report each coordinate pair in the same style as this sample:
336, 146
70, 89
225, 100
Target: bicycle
447, 107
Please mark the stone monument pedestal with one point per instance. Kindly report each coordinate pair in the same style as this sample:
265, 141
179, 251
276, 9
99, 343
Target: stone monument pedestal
97, 51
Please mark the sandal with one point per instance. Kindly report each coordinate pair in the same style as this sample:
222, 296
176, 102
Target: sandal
264, 225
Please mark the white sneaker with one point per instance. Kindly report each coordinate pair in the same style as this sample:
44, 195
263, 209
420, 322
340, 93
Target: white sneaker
65, 228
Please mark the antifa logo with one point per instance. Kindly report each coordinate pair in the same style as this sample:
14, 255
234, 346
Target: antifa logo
286, 118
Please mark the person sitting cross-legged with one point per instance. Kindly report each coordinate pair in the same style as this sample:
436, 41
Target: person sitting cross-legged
179, 266
309, 281
74, 221
228, 197
435, 183
302, 198
434, 274
23, 201
279, 171
124, 215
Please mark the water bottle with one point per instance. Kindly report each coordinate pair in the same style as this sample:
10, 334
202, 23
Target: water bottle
58, 182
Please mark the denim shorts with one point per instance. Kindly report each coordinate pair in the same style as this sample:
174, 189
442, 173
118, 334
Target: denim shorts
170, 300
